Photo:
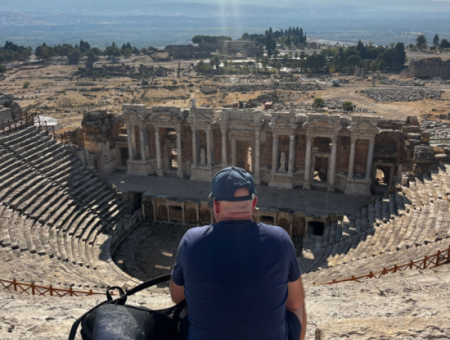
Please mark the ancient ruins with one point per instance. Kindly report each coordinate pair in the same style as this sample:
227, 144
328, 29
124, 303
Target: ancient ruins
364, 193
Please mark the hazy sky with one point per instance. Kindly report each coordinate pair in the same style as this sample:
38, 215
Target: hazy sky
388, 5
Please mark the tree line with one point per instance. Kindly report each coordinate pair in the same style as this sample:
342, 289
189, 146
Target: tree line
75, 52
422, 43
289, 36
12, 52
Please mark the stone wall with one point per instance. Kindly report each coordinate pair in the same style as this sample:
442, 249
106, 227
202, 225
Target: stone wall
428, 68
343, 154
362, 145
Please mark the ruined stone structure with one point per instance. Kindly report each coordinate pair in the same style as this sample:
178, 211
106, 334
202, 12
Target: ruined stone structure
282, 149
9, 109
96, 141
428, 68
122, 70
188, 51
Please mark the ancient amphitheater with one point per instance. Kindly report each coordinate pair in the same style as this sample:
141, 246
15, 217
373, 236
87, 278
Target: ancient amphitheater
359, 195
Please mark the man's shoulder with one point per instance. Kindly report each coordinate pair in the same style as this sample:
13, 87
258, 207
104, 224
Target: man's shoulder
275, 231
197, 232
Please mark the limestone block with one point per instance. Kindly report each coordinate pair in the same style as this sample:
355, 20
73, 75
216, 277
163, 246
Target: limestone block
424, 155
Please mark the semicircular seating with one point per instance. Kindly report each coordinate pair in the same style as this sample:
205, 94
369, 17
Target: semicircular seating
55, 215
408, 225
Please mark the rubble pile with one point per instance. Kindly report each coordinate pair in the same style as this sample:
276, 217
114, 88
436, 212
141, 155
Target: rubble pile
270, 87
439, 131
208, 90
264, 98
401, 95
334, 105
387, 81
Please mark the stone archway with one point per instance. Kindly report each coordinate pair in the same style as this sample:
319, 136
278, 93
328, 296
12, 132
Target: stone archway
284, 223
205, 216
191, 216
162, 212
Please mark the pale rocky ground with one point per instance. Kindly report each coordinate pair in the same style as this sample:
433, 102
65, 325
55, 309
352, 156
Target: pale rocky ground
52, 91
408, 305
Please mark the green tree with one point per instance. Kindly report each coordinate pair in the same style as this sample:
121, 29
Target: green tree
2, 69
265, 62
276, 53
96, 51
278, 65
117, 54
136, 51
436, 41
318, 103
91, 56
74, 56
445, 44
26, 85
400, 55
421, 42
347, 106
127, 52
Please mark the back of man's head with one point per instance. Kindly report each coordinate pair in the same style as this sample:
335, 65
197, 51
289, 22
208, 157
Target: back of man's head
234, 194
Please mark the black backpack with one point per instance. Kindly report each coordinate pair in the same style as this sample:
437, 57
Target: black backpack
113, 320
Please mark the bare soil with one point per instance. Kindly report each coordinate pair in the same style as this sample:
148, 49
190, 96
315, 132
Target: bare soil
55, 91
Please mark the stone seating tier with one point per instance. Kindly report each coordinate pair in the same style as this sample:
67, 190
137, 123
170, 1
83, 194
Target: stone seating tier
408, 225
55, 215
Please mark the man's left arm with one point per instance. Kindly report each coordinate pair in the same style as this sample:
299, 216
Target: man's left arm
176, 292
177, 280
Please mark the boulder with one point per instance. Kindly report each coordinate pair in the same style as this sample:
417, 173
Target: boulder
424, 155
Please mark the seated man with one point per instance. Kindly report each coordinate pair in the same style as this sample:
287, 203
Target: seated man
240, 278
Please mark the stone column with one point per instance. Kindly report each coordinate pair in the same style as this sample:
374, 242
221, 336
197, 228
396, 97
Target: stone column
332, 170
307, 182
208, 147
351, 164
194, 148
369, 161
224, 148
257, 157
130, 143
168, 212
274, 153
133, 141
142, 140
291, 154
179, 158
154, 210
233, 152
159, 170
146, 143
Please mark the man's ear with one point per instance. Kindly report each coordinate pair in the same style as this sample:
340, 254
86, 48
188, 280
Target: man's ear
216, 206
255, 200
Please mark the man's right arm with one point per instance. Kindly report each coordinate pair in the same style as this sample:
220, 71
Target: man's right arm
296, 302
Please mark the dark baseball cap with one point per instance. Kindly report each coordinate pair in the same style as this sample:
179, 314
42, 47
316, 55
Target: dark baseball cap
228, 180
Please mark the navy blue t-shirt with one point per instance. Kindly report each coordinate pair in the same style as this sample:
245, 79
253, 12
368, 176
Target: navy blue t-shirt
235, 275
